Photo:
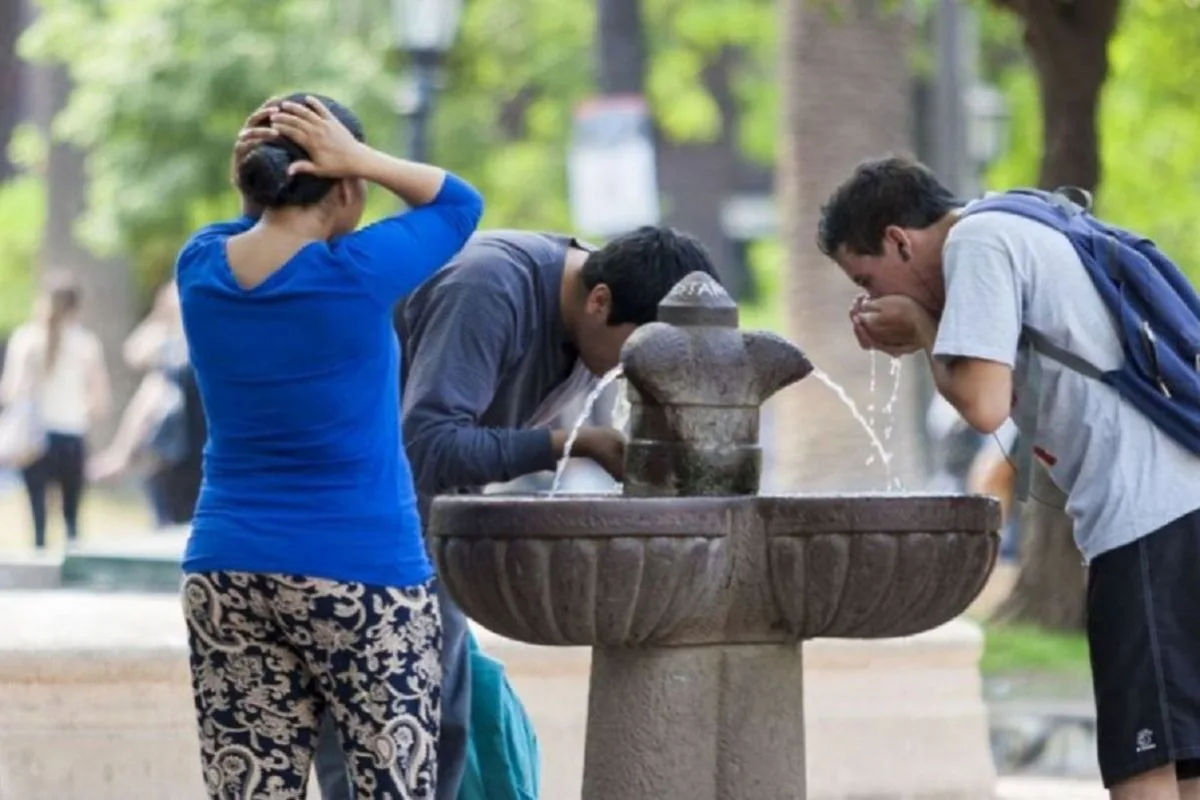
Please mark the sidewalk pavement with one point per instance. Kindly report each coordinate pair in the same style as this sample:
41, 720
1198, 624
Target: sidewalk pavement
1022, 788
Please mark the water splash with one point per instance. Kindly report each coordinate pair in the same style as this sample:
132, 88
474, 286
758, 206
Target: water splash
588, 402
871, 393
848, 401
622, 408
889, 410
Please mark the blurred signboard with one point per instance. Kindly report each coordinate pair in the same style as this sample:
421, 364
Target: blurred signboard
611, 169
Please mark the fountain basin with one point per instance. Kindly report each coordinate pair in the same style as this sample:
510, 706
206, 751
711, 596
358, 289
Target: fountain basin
613, 571
584, 570
870, 567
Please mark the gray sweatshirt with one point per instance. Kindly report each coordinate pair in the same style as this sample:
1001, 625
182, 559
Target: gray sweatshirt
484, 344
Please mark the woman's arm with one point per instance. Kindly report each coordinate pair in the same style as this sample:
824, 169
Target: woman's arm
16, 365
99, 388
394, 255
144, 343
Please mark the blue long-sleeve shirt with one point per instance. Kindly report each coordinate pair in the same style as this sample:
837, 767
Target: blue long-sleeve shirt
485, 344
304, 468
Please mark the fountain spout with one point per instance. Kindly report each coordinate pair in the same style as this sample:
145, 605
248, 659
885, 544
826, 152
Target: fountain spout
695, 385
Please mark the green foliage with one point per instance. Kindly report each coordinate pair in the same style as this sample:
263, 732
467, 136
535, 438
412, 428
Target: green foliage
767, 262
1150, 142
22, 212
22, 220
161, 87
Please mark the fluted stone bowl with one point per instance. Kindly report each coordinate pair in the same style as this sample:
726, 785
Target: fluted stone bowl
580, 570
614, 571
867, 567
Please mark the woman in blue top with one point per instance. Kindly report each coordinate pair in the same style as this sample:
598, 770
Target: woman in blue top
307, 582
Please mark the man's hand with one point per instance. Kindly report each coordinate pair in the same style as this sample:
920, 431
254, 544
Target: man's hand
895, 324
860, 330
605, 446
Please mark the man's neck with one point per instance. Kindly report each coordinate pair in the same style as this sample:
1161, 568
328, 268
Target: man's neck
571, 288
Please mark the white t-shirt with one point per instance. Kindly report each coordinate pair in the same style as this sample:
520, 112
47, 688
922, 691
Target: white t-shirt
64, 391
1123, 476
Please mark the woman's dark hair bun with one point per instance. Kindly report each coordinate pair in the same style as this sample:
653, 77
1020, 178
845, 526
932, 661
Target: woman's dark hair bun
263, 175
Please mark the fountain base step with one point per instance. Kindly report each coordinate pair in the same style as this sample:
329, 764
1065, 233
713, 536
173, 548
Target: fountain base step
148, 563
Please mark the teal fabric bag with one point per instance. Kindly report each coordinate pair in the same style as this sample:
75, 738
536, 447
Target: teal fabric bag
502, 757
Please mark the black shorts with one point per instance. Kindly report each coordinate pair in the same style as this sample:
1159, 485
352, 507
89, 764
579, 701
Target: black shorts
1143, 630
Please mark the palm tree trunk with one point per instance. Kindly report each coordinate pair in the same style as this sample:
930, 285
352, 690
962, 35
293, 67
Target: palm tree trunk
846, 97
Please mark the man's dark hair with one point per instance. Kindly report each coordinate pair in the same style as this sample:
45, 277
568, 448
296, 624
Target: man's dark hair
641, 267
263, 175
894, 190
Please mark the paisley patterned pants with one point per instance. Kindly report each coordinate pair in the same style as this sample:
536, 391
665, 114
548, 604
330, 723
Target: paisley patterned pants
269, 653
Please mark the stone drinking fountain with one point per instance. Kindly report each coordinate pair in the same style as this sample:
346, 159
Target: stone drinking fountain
695, 592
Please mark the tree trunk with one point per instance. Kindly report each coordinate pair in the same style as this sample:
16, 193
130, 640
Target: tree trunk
12, 21
846, 97
620, 47
1049, 590
697, 178
1067, 41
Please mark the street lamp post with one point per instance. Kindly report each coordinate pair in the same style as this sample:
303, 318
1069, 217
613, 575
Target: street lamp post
424, 31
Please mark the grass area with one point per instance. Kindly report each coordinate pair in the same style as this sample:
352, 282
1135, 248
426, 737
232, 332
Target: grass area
1025, 648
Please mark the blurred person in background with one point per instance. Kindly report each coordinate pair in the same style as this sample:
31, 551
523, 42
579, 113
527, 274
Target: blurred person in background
307, 584
162, 431
56, 366
994, 472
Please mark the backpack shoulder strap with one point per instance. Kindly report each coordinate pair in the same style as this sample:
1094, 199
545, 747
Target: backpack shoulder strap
1053, 209
1063, 356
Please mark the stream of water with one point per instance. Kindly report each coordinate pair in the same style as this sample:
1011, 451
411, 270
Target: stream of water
588, 402
849, 403
621, 417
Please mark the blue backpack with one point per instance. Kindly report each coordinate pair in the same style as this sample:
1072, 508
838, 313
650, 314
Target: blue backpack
1156, 310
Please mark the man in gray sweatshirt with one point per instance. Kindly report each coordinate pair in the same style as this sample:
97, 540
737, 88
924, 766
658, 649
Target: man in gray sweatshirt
496, 343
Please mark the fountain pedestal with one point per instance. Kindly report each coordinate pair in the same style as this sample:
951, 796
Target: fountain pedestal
696, 722
695, 593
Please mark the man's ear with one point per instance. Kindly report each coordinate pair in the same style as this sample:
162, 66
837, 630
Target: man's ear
599, 301
899, 239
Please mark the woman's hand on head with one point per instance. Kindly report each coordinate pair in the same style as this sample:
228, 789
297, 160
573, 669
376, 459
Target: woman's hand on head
333, 152
255, 130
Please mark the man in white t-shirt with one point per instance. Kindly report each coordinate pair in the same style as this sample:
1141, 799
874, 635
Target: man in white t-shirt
962, 292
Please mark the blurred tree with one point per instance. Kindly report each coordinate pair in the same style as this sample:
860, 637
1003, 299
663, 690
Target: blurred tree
1049, 590
1149, 155
846, 97
12, 20
1149, 140
1067, 41
161, 86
